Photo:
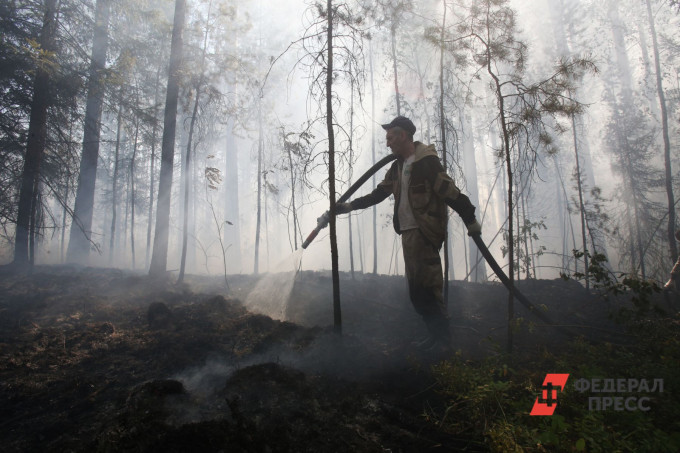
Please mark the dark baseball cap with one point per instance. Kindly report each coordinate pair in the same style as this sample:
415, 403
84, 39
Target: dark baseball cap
402, 122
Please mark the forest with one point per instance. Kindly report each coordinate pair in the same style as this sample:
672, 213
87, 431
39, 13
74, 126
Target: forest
569, 107
163, 163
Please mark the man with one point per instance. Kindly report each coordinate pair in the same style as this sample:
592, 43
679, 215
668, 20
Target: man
421, 190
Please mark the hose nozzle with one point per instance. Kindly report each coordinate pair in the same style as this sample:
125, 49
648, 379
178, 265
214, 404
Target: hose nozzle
321, 223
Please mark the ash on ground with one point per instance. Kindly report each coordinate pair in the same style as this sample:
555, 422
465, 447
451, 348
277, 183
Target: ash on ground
104, 360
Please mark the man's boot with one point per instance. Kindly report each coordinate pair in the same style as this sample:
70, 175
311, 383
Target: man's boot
440, 335
426, 343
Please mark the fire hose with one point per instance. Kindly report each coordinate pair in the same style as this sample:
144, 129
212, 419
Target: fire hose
323, 220
477, 238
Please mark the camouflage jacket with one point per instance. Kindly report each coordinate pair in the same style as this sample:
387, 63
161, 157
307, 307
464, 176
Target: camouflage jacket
430, 191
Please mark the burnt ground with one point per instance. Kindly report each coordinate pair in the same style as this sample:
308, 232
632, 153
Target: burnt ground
105, 360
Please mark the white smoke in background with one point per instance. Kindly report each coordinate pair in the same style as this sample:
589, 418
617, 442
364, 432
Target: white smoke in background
271, 294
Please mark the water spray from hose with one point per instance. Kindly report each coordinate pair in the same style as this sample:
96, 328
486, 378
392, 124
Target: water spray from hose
271, 295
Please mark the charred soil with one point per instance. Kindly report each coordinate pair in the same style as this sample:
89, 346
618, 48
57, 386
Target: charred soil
105, 360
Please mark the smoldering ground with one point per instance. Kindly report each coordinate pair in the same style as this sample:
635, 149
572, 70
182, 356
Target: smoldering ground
88, 364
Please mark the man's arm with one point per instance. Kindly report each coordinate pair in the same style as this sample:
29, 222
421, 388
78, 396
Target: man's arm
381, 192
375, 197
446, 189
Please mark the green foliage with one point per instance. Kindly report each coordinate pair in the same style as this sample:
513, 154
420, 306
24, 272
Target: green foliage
492, 399
527, 233
640, 292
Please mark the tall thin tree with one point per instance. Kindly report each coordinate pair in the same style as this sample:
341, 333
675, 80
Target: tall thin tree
81, 226
152, 166
133, 160
337, 312
187, 159
393, 48
374, 209
114, 179
581, 203
288, 147
351, 157
668, 174
442, 128
37, 136
258, 222
159, 258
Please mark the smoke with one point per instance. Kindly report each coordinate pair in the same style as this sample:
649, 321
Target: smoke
377, 347
271, 294
349, 357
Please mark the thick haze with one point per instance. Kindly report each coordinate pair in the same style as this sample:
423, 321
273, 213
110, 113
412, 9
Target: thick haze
264, 39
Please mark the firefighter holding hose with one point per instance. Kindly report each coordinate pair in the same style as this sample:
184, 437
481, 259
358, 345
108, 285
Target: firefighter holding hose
422, 190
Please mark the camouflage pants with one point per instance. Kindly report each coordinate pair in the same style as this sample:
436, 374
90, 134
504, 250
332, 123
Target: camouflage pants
425, 282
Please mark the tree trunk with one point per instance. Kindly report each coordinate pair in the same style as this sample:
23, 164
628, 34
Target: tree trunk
152, 171
292, 208
67, 188
517, 241
393, 41
666, 140
266, 216
35, 221
631, 235
123, 247
442, 127
337, 312
375, 211
187, 160
562, 219
132, 193
351, 156
81, 226
508, 167
37, 136
64, 214
361, 248
159, 259
292, 196
259, 191
581, 205
526, 232
637, 217
114, 182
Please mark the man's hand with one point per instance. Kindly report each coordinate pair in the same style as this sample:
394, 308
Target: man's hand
343, 208
340, 208
474, 228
